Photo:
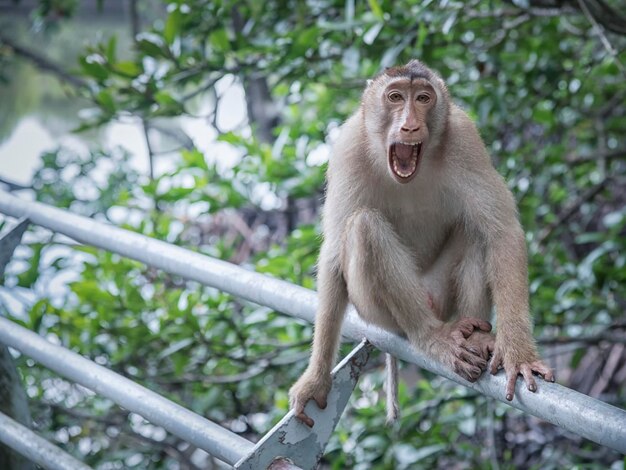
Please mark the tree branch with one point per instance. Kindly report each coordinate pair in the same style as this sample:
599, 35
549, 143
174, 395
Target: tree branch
603, 38
571, 209
609, 155
42, 62
608, 336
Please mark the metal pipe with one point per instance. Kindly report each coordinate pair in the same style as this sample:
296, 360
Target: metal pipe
571, 410
35, 448
193, 428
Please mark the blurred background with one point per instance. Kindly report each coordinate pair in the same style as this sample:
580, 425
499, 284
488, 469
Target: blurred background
207, 124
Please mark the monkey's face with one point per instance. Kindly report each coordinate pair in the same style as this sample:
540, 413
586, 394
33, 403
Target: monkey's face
407, 105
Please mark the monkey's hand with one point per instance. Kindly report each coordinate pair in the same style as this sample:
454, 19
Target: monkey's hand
481, 344
465, 346
518, 360
312, 385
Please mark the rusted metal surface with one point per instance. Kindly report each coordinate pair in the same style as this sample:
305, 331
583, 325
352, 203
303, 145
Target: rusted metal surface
9, 241
282, 463
303, 445
13, 400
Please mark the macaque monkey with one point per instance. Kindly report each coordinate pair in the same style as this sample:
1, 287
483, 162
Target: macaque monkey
422, 235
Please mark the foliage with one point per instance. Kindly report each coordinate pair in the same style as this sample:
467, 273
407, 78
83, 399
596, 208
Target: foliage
549, 101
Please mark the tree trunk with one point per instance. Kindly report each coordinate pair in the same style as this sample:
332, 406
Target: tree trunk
262, 112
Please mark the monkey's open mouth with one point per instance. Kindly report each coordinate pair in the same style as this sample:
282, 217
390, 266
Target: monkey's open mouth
404, 159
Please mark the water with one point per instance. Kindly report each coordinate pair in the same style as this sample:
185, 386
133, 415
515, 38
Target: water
38, 111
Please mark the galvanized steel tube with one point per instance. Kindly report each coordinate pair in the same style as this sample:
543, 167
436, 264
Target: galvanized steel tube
193, 428
35, 448
578, 413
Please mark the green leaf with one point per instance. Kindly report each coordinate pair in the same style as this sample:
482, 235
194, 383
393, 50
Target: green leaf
231, 138
172, 26
90, 291
151, 47
92, 66
30, 276
219, 40
105, 99
111, 49
194, 158
421, 37
127, 68
37, 313
306, 40
376, 9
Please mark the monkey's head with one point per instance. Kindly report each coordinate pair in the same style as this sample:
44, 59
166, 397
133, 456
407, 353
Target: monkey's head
405, 111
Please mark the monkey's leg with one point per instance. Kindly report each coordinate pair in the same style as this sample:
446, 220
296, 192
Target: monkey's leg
472, 295
315, 382
385, 286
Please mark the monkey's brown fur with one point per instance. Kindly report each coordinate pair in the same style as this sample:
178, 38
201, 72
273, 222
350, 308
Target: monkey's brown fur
423, 252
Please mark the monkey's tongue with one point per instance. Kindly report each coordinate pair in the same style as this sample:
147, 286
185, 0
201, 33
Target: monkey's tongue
404, 158
403, 151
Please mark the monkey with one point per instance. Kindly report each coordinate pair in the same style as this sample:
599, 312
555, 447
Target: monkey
421, 234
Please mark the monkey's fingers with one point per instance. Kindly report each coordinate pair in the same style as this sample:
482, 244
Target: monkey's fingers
527, 372
481, 344
302, 416
483, 325
321, 401
487, 350
467, 325
496, 363
473, 358
469, 372
543, 370
511, 378
475, 350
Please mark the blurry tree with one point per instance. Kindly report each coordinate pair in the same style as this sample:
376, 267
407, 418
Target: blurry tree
545, 81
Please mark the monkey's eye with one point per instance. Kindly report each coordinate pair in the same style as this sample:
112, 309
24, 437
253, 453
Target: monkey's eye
395, 96
423, 98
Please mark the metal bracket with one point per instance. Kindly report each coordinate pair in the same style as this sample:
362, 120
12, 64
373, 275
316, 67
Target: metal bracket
9, 241
295, 442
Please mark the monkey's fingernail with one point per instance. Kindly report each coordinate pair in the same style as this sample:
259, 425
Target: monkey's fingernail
321, 403
532, 387
551, 379
509, 397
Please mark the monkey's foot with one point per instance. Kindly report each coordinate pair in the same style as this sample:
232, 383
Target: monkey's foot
468, 355
310, 386
524, 368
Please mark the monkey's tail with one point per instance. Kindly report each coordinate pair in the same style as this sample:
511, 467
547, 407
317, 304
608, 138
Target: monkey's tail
393, 408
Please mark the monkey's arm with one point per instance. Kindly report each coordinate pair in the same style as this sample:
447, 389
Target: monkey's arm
507, 276
515, 348
333, 299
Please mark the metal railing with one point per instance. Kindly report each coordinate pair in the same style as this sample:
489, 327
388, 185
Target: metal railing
35, 447
571, 410
201, 432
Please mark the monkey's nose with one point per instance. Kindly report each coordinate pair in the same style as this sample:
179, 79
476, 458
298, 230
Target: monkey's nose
409, 129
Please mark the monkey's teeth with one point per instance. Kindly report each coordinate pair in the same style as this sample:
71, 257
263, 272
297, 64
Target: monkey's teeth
404, 174
406, 165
